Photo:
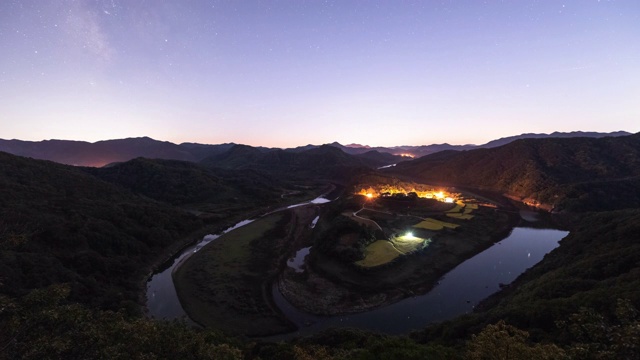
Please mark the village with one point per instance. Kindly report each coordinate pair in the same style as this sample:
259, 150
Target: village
409, 215
396, 192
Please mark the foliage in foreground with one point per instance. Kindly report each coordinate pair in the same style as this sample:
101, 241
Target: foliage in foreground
42, 325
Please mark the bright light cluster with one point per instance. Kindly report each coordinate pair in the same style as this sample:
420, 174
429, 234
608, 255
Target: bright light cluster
386, 190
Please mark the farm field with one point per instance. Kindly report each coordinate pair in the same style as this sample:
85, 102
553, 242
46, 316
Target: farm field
392, 246
221, 286
378, 253
408, 243
433, 224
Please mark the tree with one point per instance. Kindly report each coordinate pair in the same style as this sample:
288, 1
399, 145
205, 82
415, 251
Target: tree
501, 341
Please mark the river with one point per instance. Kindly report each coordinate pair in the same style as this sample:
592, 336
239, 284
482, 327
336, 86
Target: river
456, 293
162, 299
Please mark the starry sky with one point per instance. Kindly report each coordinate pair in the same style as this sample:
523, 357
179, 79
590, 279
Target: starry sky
289, 73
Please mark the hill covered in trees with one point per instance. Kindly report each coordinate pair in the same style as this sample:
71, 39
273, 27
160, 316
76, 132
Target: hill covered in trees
102, 230
100, 153
564, 174
324, 162
61, 225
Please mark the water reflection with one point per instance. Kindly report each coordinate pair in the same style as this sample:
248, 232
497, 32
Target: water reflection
297, 262
456, 294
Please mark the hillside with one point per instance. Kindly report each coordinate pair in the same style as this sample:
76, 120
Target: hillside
59, 224
326, 162
100, 153
556, 173
187, 184
555, 134
422, 150
595, 266
82, 153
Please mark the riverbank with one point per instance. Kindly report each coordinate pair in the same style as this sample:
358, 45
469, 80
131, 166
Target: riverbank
167, 260
227, 284
330, 287
169, 255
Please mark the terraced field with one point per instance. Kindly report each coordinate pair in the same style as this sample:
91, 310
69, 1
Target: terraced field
433, 224
378, 253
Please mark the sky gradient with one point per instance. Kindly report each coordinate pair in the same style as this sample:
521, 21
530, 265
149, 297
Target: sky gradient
289, 73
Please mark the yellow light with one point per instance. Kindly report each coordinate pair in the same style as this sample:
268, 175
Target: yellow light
369, 195
409, 235
448, 200
440, 195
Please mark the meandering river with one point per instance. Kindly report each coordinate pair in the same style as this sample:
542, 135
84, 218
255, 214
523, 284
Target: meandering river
162, 299
456, 293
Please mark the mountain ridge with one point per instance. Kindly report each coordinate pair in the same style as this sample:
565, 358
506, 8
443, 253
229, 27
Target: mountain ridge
100, 153
552, 173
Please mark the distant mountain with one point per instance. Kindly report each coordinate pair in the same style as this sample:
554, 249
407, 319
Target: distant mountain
201, 151
325, 161
101, 153
577, 173
406, 150
82, 153
185, 183
236, 157
358, 146
422, 150
381, 158
506, 140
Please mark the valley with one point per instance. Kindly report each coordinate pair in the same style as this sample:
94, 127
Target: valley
253, 251
247, 262
319, 180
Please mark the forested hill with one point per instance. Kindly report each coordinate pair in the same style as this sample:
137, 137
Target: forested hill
100, 153
188, 184
59, 224
559, 173
326, 162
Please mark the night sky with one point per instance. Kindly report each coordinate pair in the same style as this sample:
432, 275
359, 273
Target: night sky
289, 73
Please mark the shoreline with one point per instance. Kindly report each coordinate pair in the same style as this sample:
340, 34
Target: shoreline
167, 258
345, 297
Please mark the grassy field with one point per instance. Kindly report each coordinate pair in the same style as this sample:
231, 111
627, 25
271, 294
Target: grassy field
378, 253
461, 211
384, 251
464, 216
223, 285
332, 286
433, 224
408, 244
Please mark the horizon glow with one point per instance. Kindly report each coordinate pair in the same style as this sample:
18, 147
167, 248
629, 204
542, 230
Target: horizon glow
291, 73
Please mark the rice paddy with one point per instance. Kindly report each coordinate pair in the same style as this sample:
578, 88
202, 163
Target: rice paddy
378, 253
433, 224
382, 252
